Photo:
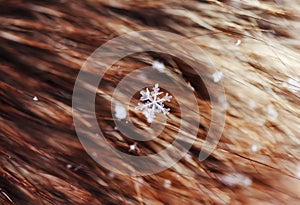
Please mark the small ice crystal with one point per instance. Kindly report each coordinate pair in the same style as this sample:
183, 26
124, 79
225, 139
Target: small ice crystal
223, 102
238, 42
132, 147
273, 115
153, 103
158, 66
217, 76
236, 179
252, 105
254, 148
167, 184
120, 111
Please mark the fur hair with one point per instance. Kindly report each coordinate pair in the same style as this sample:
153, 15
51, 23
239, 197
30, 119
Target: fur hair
255, 44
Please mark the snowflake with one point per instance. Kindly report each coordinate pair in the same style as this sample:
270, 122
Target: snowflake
160, 67
153, 103
217, 76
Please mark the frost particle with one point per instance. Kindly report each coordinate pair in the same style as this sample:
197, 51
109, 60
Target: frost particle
254, 148
140, 181
35, 98
111, 175
159, 66
133, 147
238, 42
273, 115
235, 179
167, 184
223, 102
298, 174
217, 76
120, 111
252, 105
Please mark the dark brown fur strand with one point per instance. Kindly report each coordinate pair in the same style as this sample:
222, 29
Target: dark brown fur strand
45, 43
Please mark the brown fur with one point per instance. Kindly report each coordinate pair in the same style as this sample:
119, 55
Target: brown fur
43, 46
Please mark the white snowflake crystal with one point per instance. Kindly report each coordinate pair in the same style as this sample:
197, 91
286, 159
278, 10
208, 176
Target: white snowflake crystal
153, 103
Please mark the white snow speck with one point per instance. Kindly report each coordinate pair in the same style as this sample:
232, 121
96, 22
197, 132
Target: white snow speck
292, 84
69, 166
111, 175
140, 181
252, 105
120, 111
35, 98
236, 179
217, 76
159, 66
223, 102
167, 184
132, 147
238, 42
298, 174
254, 148
273, 115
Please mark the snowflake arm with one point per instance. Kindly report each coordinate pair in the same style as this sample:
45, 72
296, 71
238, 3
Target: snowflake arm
153, 103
